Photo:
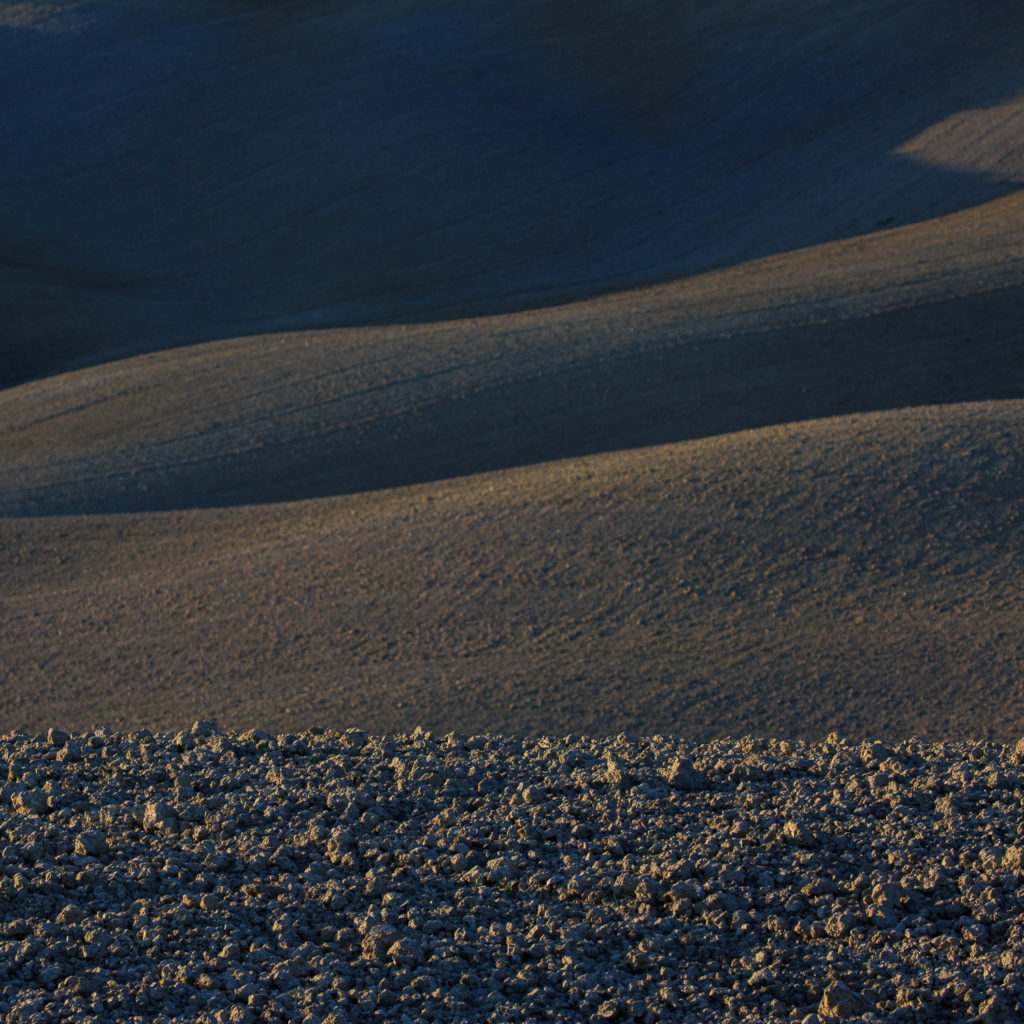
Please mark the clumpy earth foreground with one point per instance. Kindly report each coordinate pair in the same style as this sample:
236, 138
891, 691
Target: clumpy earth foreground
326, 876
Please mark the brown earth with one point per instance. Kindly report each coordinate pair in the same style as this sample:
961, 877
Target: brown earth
647, 369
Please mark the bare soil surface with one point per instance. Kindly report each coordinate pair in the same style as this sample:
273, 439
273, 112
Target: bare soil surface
421, 381
337, 877
861, 574
644, 367
181, 172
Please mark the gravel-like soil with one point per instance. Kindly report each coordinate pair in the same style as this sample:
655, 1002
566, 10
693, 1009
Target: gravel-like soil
208, 876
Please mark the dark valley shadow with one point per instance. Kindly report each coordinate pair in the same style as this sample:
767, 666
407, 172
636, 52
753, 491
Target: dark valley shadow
171, 174
324, 416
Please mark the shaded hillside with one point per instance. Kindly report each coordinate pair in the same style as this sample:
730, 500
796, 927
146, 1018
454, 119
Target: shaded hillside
173, 173
929, 314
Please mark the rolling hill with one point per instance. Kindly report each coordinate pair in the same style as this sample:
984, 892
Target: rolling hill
655, 367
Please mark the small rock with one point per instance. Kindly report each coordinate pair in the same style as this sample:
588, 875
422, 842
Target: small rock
886, 895
70, 752
158, 817
840, 925
207, 727
405, 951
378, 940
184, 740
29, 801
618, 773
356, 738
839, 1001
90, 844
57, 737
1018, 751
1013, 859
798, 834
996, 1010
650, 890
682, 775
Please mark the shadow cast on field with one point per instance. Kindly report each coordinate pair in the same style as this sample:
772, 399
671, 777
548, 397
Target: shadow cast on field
421, 428
171, 174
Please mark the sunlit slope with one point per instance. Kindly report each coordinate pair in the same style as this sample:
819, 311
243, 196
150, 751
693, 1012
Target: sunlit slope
863, 573
173, 172
928, 314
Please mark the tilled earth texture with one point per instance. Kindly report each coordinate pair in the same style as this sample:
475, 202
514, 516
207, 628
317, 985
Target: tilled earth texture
326, 876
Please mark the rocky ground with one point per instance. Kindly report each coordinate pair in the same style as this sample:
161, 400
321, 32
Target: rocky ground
208, 876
